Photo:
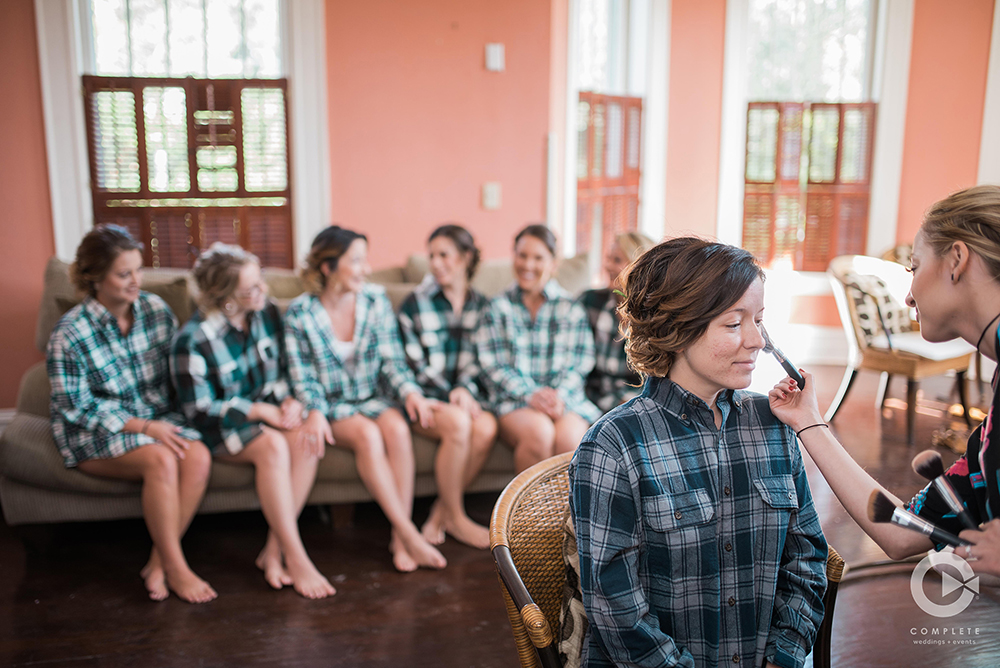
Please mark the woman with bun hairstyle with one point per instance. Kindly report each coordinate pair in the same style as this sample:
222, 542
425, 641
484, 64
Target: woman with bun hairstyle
612, 382
956, 293
229, 368
343, 348
438, 322
110, 404
536, 348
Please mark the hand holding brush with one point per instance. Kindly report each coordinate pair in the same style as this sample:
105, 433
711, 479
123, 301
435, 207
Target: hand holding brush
882, 510
927, 464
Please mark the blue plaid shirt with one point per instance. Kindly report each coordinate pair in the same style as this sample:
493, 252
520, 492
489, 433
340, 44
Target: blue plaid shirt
102, 378
519, 355
698, 546
370, 381
611, 382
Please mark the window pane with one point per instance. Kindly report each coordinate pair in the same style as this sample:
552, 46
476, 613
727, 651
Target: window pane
116, 143
265, 161
165, 115
582, 123
187, 38
823, 145
110, 36
217, 168
225, 39
853, 159
762, 141
616, 132
147, 31
263, 40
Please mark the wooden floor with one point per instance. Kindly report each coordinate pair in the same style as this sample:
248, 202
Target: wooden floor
70, 594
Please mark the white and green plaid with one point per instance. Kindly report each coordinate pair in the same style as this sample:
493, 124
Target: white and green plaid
611, 382
439, 344
101, 378
519, 356
373, 380
219, 371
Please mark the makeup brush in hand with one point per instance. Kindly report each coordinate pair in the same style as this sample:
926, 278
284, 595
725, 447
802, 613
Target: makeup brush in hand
927, 464
882, 510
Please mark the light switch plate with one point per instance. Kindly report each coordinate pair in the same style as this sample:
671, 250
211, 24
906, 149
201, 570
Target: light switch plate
495, 59
492, 195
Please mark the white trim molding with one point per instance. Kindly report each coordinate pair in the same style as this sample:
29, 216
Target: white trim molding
989, 148
890, 90
62, 61
733, 130
655, 118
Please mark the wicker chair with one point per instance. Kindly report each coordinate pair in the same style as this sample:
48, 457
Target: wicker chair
526, 537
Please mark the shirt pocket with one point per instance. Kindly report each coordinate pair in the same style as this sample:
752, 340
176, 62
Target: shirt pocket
667, 512
677, 526
780, 500
778, 491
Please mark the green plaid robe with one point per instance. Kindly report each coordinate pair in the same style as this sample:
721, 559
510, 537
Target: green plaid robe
101, 378
611, 382
219, 372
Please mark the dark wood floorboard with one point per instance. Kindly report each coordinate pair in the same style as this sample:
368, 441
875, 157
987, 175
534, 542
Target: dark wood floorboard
70, 595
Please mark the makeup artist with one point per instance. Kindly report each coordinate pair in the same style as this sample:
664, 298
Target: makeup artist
956, 292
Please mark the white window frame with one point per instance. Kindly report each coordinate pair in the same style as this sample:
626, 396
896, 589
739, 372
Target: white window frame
61, 49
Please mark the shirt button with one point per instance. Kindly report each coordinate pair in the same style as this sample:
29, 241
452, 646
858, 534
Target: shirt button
677, 515
732, 601
684, 416
736, 658
790, 495
729, 547
726, 490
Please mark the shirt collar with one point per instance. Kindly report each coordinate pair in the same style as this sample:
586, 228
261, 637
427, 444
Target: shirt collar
680, 402
217, 325
102, 316
552, 290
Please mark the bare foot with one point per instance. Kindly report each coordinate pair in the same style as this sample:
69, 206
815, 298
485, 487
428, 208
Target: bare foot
308, 581
422, 552
433, 529
189, 587
401, 559
465, 530
269, 561
154, 578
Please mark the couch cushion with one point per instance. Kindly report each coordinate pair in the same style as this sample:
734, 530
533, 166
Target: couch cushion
416, 267
282, 283
33, 394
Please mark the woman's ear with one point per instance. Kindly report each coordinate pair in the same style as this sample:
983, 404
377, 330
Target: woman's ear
958, 260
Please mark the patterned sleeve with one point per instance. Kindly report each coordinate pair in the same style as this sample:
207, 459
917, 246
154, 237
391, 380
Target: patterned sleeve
413, 349
798, 599
189, 369
495, 348
71, 397
572, 375
393, 368
302, 363
281, 389
608, 534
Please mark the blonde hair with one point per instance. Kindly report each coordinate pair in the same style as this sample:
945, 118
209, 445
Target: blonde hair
327, 249
672, 293
217, 273
971, 215
633, 244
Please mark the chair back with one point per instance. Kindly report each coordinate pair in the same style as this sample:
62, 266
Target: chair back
526, 538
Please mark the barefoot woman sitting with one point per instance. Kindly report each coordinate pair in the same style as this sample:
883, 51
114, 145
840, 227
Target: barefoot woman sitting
229, 368
111, 417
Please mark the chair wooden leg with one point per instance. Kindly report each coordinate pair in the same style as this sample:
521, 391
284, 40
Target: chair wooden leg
845, 386
883, 389
979, 375
960, 382
911, 409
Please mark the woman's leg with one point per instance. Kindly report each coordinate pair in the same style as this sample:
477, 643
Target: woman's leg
269, 453
363, 436
159, 470
453, 426
532, 435
570, 429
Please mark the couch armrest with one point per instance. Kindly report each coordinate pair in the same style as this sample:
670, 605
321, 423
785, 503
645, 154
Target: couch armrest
33, 394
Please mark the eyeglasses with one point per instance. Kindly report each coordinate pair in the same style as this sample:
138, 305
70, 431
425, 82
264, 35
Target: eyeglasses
252, 292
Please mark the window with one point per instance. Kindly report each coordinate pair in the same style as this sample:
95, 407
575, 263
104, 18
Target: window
809, 133
184, 162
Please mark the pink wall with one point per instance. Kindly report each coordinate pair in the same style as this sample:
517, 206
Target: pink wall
697, 44
26, 227
417, 124
944, 109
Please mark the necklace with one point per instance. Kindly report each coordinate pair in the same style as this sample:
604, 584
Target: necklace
985, 329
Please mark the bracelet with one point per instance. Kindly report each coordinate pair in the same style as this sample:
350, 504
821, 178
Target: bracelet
818, 424
144, 425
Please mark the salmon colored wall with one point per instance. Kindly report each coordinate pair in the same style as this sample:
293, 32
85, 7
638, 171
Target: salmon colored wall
25, 214
417, 124
697, 45
944, 109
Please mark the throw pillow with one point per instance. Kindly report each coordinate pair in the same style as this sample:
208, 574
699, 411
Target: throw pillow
877, 310
572, 617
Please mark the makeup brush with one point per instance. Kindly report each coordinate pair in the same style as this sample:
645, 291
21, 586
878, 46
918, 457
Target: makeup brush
928, 464
882, 510
789, 368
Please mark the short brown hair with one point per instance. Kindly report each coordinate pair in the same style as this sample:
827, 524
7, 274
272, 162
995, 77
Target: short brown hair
217, 272
540, 232
463, 241
971, 215
97, 252
327, 249
672, 293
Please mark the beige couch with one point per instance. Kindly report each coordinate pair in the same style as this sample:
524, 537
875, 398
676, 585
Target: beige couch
35, 487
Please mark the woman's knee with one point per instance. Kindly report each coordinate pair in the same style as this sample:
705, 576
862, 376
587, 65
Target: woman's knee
269, 449
454, 423
395, 430
484, 430
160, 464
529, 426
363, 437
197, 462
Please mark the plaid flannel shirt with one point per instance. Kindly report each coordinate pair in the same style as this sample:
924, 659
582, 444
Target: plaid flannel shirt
698, 546
439, 343
370, 381
101, 378
219, 372
611, 382
518, 356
